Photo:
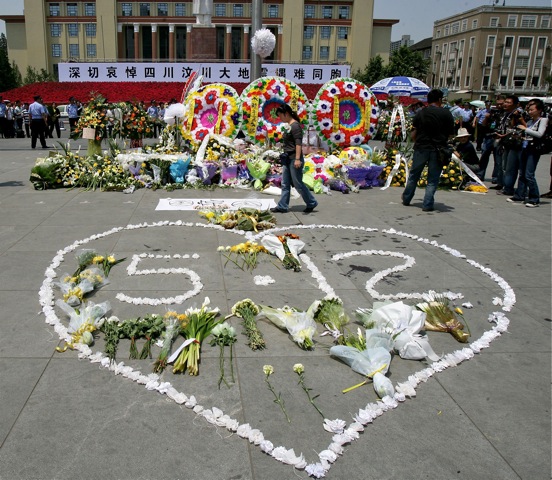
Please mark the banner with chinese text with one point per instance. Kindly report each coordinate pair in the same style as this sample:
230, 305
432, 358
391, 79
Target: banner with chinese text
179, 72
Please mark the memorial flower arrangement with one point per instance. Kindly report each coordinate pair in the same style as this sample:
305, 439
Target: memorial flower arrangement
300, 325
94, 115
136, 123
345, 113
248, 311
224, 335
247, 251
259, 103
213, 108
173, 323
247, 219
198, 326
441, 317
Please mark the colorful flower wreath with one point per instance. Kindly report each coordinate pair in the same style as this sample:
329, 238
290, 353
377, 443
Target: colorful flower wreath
213, 108
261, 98
345, 112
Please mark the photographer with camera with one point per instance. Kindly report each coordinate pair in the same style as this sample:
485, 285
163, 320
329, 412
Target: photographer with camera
511, 141
490, 144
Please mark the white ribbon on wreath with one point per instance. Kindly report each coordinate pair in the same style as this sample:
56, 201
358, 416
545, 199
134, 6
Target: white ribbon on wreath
397, 109
398, 159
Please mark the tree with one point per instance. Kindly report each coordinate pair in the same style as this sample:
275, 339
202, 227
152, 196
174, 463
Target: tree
374, 71
7, 80
406, 63
33, 76
16, 74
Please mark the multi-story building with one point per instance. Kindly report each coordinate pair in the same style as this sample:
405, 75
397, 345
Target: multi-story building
493, 49
405, 41
307, 31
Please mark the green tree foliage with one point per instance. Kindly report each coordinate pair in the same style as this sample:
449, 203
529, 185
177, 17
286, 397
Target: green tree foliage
403, 62
7, 80
17, 74
374, 71
32, 75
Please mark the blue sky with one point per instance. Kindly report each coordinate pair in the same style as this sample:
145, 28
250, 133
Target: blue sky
416, 16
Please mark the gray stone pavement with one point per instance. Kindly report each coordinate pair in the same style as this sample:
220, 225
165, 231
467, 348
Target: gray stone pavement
65, 418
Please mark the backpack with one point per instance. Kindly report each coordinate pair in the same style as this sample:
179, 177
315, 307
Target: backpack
543, 145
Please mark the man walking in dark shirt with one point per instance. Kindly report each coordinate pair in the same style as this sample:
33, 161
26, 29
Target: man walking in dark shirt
432, 128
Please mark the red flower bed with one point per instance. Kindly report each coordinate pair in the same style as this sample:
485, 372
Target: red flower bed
60, 92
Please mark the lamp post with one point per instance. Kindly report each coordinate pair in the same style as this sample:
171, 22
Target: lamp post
256, 24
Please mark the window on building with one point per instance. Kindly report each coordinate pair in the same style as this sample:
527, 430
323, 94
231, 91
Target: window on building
327, 11
528, 21
503, 80
525, 42
308, 32
538, 62
512, 21
91, 50
73, 29
489, 60
541, 43
455, 28
55, 30
508, 42
90, 9
162, 9
493, 22
447, 30
522, 62
342, 33
74, 50
472, 43
56, 50
325, 32
307, 52
341, 53
90, 29
309, 11
126, 9
344, 12
324, 53
467, 82
238, 10
144, 9
464, 25
519, 81
273, 11
54, 10
220, 10
438, 35
545, 21
180, 9
72, 10
474, 24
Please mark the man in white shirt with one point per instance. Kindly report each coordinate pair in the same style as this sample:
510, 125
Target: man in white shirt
39, 119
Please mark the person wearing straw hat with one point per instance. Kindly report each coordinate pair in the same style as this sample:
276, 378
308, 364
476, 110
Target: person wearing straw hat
465, 150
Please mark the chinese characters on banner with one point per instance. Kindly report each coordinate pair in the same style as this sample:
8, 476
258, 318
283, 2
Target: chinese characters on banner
180, 72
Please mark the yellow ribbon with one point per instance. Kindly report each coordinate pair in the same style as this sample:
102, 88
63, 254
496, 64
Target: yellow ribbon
77, 337
219, 118
294, 100
370, 375
191, 114
252, 126
336, 114
367, 114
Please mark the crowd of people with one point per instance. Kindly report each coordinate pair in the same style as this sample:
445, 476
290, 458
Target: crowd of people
505, 130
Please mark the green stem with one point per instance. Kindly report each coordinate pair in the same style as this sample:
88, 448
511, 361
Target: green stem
278, 399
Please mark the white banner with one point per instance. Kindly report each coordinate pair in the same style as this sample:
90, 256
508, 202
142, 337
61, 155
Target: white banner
179, 72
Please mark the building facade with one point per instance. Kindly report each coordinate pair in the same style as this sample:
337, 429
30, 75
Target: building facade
405, 41
493, 49
307, 31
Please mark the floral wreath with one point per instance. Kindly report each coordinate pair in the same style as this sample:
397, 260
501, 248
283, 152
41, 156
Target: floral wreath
261, 98
345, 112
213, 108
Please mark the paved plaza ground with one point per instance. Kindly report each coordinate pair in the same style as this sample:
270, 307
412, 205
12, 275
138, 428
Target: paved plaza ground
62, 418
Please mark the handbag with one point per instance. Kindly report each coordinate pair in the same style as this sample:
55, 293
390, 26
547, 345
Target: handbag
284, 159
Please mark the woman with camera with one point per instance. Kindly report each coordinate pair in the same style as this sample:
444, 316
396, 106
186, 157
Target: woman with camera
533, 130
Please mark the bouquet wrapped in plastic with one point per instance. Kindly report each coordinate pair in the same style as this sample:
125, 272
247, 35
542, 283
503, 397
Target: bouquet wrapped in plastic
258, 169
84, 321
74, 289
287, 248
300, 325
402, 323
367, 362
178, 170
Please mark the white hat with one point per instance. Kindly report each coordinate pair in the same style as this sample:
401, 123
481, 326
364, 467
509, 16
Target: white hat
462, 132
